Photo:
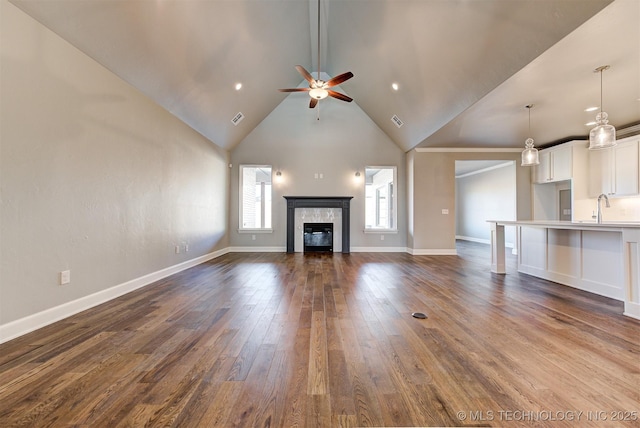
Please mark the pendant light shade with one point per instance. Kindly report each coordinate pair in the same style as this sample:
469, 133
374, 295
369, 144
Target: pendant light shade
603, 135
530, 153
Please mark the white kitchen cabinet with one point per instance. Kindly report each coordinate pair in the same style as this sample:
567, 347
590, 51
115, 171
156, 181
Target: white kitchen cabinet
625, 169
556, 164
615, 171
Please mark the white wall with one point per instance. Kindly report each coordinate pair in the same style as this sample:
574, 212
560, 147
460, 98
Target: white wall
486, 195
95, 178
343, 141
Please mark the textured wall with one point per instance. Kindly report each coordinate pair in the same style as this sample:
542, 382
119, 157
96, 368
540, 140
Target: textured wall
95, 178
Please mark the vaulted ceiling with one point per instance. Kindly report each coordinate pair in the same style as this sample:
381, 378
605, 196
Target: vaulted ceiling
465, 69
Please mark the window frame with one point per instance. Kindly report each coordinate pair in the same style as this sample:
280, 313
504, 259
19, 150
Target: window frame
392, 206
241, 228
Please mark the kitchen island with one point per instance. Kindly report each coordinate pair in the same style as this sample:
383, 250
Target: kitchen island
600, 258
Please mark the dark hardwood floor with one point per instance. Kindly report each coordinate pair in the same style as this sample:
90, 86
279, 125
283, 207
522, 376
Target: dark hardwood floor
276, 339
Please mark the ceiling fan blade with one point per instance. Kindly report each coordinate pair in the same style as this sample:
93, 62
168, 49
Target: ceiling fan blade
339, 79
295, 90
305, 74
313, 102
339, 96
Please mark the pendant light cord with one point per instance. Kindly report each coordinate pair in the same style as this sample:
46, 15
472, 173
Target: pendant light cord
601, 69
600, 88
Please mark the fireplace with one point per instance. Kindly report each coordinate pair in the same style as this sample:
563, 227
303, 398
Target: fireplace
318, 237
341, 202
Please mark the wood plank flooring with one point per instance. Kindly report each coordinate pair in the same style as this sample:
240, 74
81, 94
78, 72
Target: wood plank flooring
283, 340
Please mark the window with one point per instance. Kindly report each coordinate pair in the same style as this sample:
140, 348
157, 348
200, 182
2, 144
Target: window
255, 197
380, 198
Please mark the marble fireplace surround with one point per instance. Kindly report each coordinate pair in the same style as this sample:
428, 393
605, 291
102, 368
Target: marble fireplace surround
341, 202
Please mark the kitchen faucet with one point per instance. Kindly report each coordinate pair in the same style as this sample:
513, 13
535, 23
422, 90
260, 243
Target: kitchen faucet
599, 210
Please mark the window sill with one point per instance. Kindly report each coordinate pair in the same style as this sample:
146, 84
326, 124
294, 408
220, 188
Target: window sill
255, 230
388, 231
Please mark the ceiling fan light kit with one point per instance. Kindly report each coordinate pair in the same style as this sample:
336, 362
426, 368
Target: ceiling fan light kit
318, 93
603, 135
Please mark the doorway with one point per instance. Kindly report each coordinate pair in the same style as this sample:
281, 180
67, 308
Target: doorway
485, 190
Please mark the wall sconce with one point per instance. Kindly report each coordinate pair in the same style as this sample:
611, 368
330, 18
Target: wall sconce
356, 177
357, 174
278, 176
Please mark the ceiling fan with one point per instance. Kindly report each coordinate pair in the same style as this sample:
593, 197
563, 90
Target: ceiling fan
319, 89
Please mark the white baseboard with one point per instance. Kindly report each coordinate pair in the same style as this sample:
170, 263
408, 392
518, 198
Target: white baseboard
514, 250
485, 241
257, 249
378, 249
41, 319
432, 252
632, 310
472, 239
606, 290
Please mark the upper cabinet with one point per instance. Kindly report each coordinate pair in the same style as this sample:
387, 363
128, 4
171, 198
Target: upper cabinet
556, 164
615, 171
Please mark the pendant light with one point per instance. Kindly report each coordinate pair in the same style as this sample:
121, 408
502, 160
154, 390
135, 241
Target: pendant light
530, 153
602, 136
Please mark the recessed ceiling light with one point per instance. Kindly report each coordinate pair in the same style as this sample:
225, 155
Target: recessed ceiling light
590, 124
395, 86
238, 86
591, 108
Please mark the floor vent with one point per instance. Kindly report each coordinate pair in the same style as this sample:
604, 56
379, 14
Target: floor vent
237, 118
395, 119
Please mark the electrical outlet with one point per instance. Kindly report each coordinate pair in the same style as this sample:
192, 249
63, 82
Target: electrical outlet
186, 248
177, 249
253, 237
445, 211
65, 277
382, 237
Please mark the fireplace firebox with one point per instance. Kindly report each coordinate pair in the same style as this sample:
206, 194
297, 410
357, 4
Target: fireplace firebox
318, 237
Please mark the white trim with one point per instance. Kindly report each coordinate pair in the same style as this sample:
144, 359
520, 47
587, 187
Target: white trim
388, 231
467, 150
41, 319
606, 290
433, 252
482, 241
487, 169
249, 231
257, 249
378, 249
632, 309
471, 239
394, 195
241, 168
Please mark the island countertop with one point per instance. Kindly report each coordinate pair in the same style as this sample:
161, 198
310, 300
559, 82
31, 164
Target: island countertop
573, 225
